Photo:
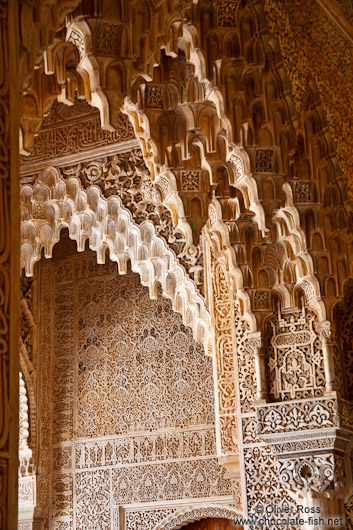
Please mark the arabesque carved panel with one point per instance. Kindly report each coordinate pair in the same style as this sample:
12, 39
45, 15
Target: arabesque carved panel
295, 357
133, 398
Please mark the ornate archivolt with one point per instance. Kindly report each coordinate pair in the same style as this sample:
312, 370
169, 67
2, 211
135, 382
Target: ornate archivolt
53, 204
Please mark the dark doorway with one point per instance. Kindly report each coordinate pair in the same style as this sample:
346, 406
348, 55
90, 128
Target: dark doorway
213, 524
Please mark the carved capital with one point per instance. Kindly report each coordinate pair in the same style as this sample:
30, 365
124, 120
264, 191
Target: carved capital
255, 340
324, 330
313, 473
327, 336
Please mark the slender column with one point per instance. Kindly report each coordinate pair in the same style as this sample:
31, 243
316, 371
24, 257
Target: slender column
9, 262
256, 344
325, 333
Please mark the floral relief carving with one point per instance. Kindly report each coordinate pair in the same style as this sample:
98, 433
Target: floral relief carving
223, 311
147, 519
139, 439
138, 400
190, 180
27, 491
314, 473
303, 192
298, 416
261, 300
295, 357
170, 481
249, 428
45, 385
154, 96
108, 38
92, 499
260, 469
264, 160
63, 459
246, 366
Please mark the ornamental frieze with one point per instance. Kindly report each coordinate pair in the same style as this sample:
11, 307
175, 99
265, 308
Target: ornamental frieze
67, 131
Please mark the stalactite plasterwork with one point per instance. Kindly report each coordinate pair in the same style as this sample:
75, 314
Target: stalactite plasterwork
126, 176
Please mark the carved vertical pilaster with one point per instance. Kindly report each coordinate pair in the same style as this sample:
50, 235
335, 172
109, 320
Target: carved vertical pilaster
220, 302
223, 314
9, 263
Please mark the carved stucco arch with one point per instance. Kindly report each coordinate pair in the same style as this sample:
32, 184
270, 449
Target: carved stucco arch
147, 259
190, 514
53, 204
238, 165
218, 235
235, 158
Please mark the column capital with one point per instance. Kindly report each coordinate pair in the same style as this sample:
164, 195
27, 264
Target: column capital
255, 340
